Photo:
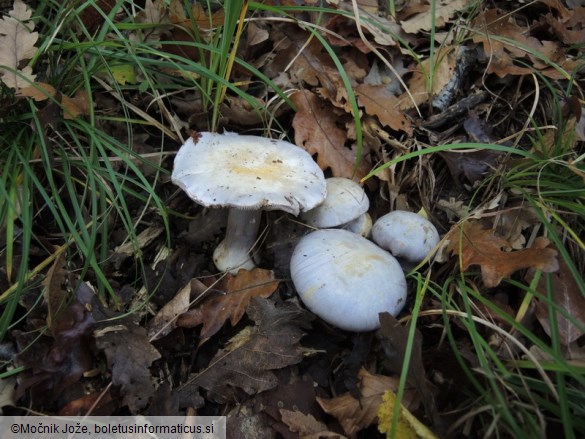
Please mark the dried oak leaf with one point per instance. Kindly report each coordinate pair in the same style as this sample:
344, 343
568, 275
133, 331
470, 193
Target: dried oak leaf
377, 100
443, 11
306, 425
480, 246
129, 354
39, 91
356, 414
316, 130
246, 362
305, 62
504, 41
17, 43
239, 290
568, 297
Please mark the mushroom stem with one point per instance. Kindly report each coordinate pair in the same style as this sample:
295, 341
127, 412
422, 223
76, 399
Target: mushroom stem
235, 251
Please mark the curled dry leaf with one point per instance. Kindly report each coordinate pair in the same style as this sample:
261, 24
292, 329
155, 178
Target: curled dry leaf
477, 245
306, 426
356, 414
56, 294
76, 106
165, 320
239, 290
568, 297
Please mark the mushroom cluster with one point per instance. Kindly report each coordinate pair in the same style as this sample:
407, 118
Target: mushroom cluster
341, 276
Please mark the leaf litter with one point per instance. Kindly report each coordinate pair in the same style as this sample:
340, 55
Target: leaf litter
274, 363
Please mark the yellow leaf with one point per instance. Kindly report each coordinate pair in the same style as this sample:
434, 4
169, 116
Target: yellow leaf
124, 73
408, 426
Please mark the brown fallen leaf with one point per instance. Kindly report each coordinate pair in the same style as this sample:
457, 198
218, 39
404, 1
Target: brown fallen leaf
356, 414
55, 289
129, 354
217, 309
505, 41
165, 319
378, 101
184, 25
246, 362
444, 10
198, 14
154, 19
305, 61
393, 338
39, 91
344, 31
444, 69
568, 297
316, 130
76, 106
470, 165
306, 425
292, 393
59, 358
92, 403
477, 245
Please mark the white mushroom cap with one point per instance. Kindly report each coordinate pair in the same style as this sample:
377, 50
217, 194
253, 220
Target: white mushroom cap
362, 225
407, 235
345, 201
346, 279
247, 174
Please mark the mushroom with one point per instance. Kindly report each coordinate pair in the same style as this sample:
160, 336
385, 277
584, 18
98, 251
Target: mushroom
362, 225
346, 279
407, 235
345, 206
247, 174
